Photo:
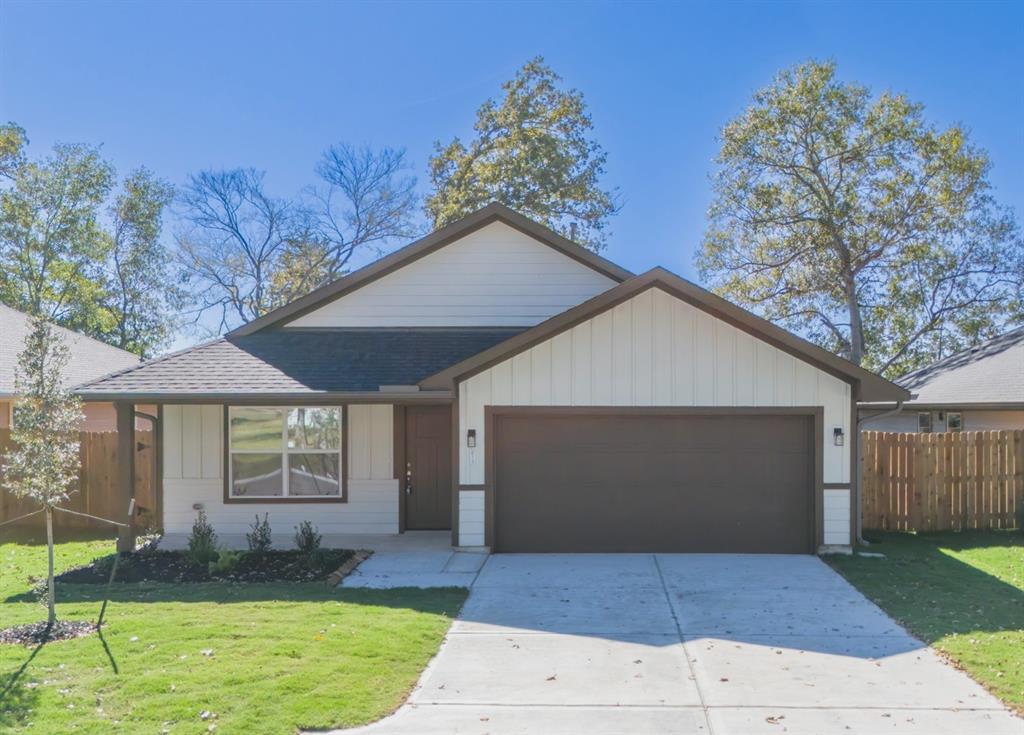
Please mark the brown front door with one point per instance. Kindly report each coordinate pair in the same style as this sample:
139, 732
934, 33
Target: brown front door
428, 455
606, 482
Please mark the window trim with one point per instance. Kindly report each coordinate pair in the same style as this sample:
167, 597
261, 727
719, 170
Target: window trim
229, 499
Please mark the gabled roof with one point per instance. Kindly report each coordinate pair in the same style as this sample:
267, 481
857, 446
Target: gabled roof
868, 385
88, 358
290, 364
990, 374
493, 212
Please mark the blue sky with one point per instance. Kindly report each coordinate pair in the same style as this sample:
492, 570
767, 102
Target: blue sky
184, 86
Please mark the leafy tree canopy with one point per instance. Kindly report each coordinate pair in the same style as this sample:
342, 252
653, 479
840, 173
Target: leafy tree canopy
850, 218
533, 152
66, 258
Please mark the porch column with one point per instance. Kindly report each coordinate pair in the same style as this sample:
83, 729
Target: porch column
125, 472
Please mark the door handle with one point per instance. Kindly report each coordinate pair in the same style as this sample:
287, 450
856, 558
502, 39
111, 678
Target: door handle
408, 478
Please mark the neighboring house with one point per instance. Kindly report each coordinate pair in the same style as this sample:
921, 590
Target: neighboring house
88, 359
979, 389
498, 380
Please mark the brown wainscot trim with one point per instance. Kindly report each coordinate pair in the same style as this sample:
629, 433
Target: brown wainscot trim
815, 413
311, 500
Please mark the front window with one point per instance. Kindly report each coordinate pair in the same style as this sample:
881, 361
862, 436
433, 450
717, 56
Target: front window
954, 422
924, 422
286, 452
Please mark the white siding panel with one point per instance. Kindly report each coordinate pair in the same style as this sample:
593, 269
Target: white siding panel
582, 364
191, 442
540, 362
212, 418
619, 357
622, 354
561, 369
643, 349
494, 276
372, 507
471, 518
662, 355
601, 359
704, 359
683, 360
192, 475
836, 513
172, 441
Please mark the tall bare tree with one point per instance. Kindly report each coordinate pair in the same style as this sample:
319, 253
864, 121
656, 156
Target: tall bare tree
244, 252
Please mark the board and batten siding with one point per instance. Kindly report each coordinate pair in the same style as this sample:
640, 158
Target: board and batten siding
193, 473
495, 276
653, 350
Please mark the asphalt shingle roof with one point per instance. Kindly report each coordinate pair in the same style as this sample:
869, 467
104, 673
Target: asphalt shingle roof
89, 358
992, 372
302, 362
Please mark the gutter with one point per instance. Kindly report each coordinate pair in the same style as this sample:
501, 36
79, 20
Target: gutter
860, 470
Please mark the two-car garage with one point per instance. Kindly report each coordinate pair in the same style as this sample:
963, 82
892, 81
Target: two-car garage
608, 480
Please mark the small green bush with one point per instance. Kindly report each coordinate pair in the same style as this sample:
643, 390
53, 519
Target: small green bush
259, 536
307, 540
202, 542
225, 562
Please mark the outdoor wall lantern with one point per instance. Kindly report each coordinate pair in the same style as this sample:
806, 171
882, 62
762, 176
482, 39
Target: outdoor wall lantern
471, 438
837, 436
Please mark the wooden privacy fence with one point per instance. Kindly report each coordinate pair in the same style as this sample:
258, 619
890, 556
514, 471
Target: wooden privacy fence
933, 482
97, 492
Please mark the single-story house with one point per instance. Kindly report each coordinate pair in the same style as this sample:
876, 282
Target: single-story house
500, 381
88, 359
979, 389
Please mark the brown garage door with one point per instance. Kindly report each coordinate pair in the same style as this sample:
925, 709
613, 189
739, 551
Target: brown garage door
605, 482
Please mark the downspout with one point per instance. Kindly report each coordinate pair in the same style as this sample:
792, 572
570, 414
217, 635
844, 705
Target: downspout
860, 469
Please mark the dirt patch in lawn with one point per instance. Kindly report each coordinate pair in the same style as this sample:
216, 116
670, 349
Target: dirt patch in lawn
32, 634
176, 567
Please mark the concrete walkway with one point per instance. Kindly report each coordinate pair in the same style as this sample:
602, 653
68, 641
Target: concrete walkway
603, 644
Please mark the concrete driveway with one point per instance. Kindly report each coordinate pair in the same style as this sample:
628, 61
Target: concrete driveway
715, 644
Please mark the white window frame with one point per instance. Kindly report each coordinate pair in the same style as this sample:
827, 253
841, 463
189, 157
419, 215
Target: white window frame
931, 422
285, 451
960, 417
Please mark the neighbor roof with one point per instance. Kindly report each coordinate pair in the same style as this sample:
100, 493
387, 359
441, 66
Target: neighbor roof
870, 387
88, 359
990, 374
493, 212
298, 363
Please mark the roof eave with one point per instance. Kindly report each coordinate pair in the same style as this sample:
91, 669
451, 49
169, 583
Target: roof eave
270, 398
868, 385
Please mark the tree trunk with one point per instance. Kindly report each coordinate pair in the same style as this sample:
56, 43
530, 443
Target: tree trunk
856, 326
51, 616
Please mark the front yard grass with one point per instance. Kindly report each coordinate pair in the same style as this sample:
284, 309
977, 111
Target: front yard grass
962, 593
255, 658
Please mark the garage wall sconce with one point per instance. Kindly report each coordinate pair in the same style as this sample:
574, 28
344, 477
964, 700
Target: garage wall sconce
471, 438
837, 436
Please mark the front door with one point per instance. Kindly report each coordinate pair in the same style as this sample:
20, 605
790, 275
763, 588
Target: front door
428, 455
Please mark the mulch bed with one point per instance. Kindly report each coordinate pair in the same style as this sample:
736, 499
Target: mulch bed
175, 566
32, 634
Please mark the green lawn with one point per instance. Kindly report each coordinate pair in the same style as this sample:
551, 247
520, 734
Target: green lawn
264, 658
963, 593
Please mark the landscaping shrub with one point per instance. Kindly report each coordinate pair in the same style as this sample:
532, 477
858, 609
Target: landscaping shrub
259, 536
202, 541
307, 540
225, 562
